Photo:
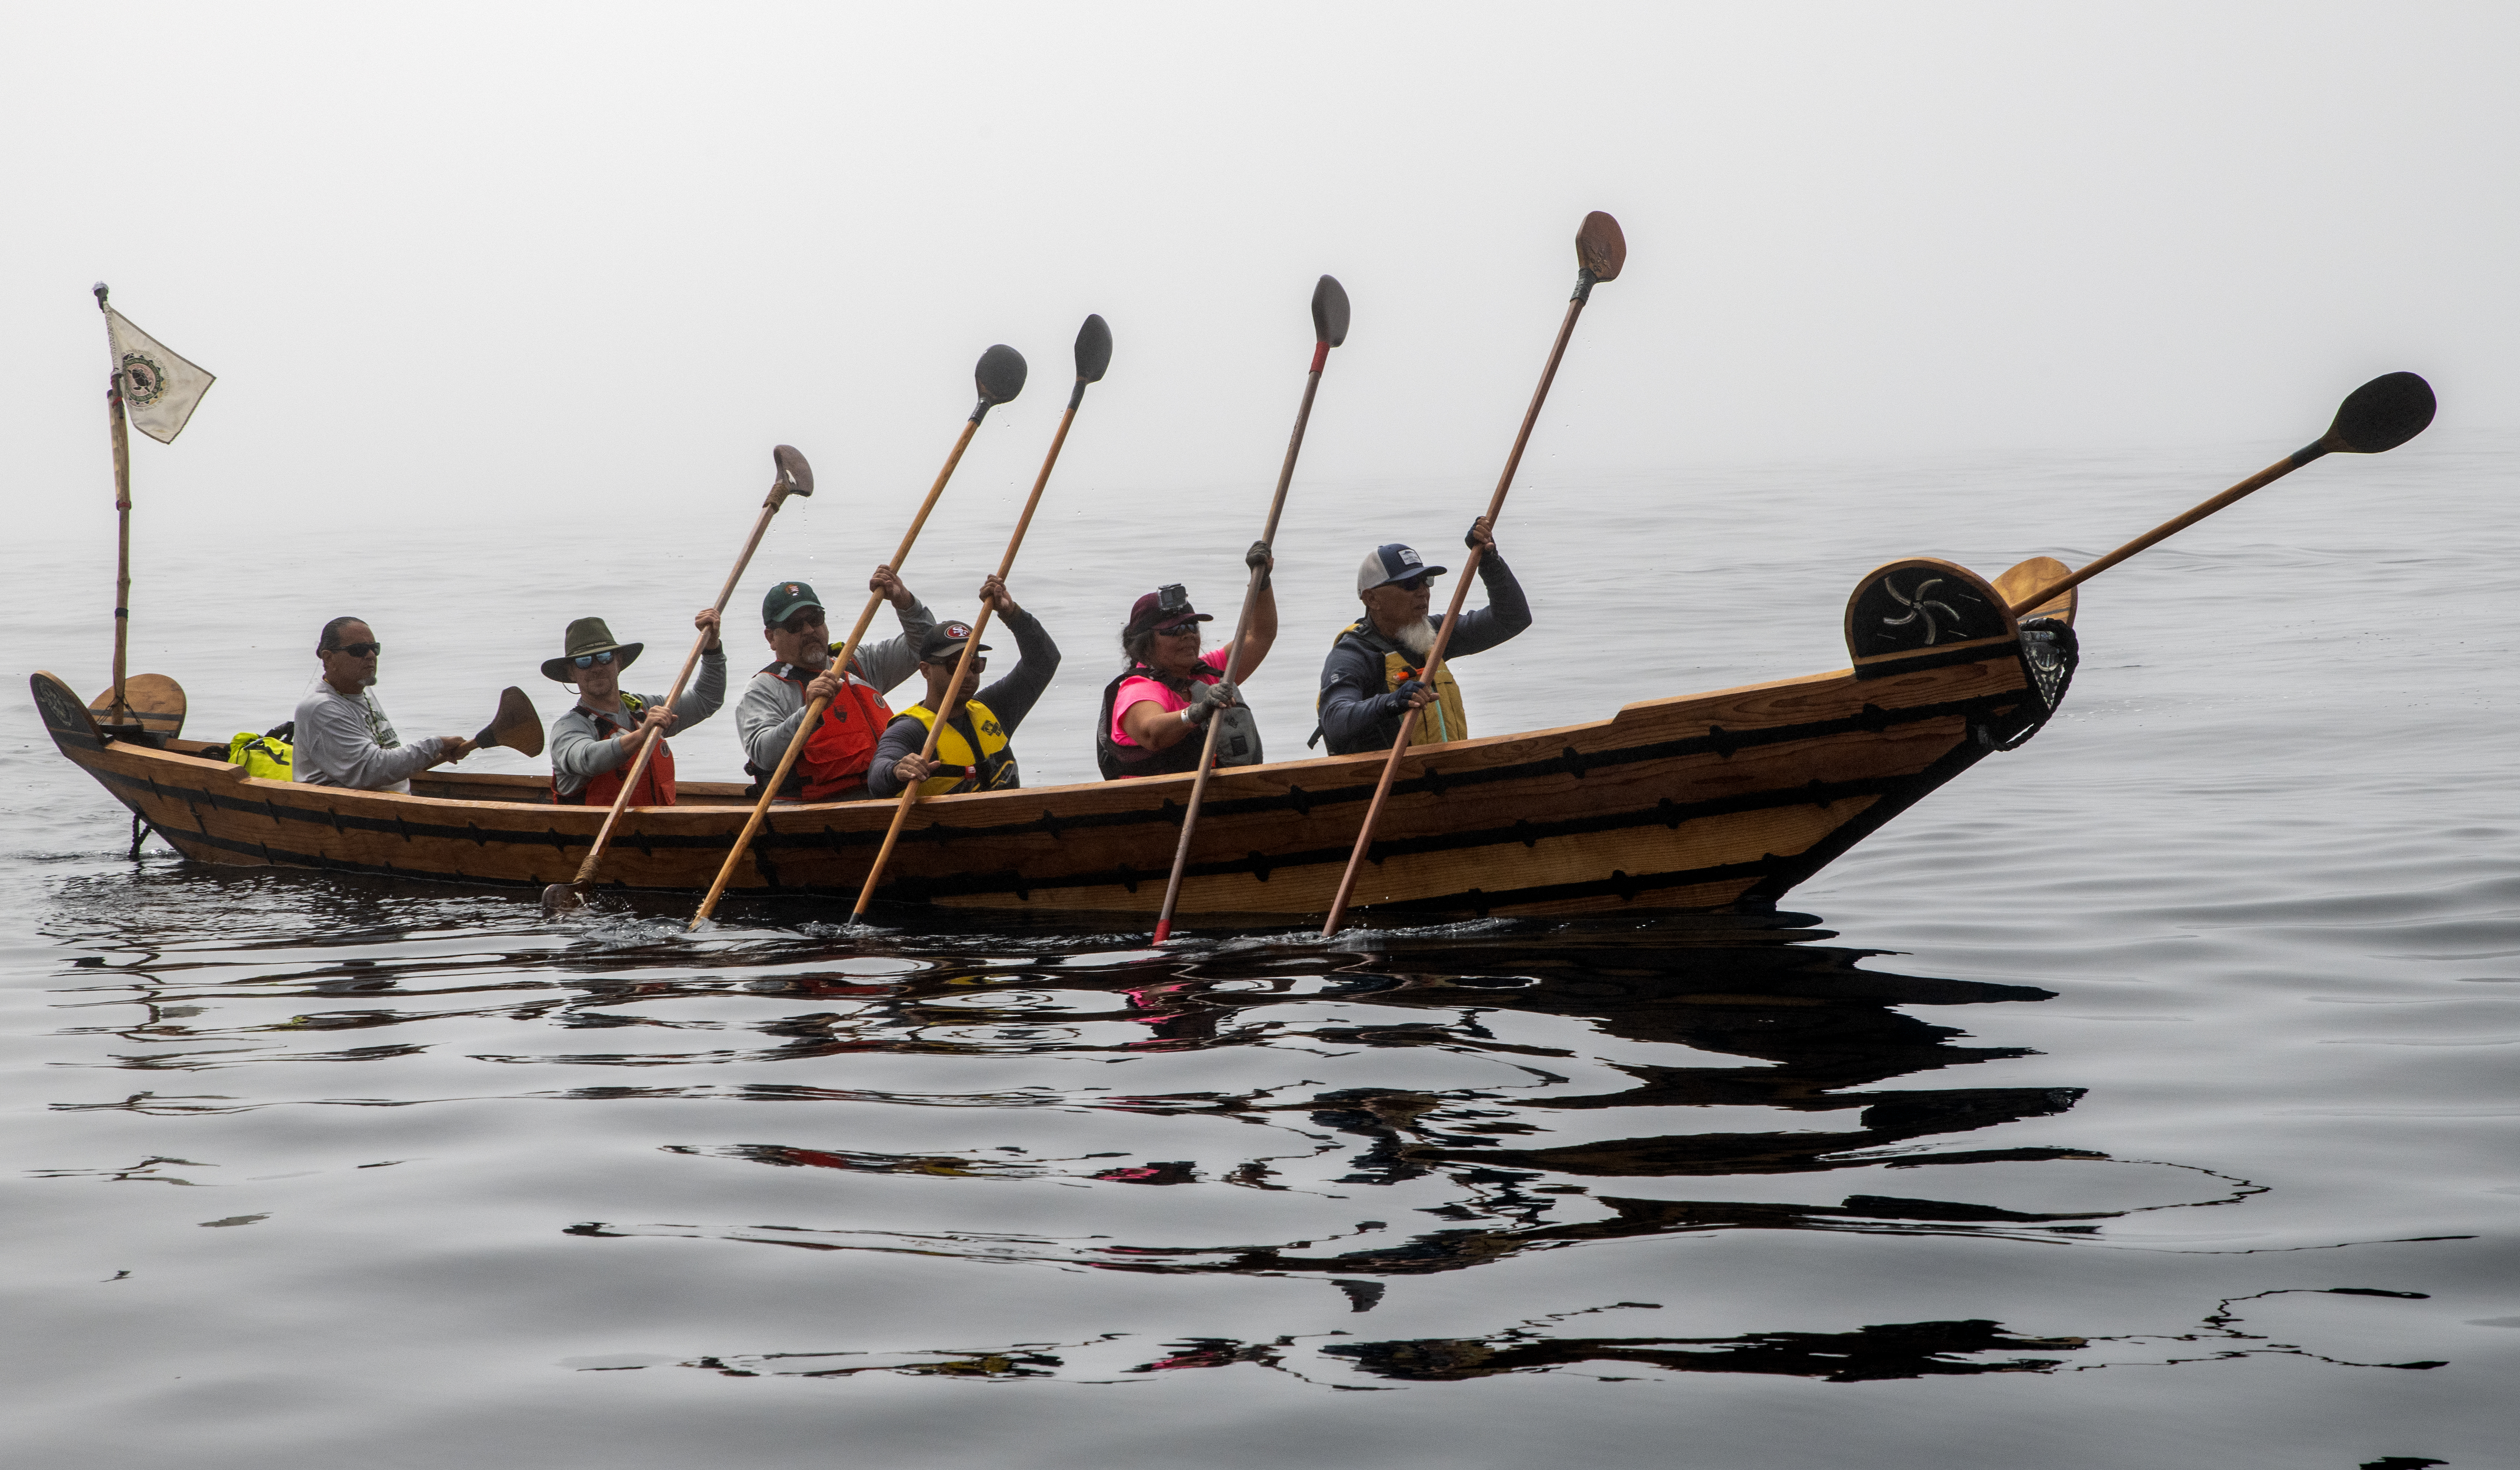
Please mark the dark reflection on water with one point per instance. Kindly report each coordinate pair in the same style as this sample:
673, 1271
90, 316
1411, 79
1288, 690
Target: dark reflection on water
1422, 1102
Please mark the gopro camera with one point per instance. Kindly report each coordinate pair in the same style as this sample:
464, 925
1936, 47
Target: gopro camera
1172, 598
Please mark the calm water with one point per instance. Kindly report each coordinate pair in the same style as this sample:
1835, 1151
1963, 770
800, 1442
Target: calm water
2144, 1099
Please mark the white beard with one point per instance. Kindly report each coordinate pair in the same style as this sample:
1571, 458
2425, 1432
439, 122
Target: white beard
815, 656
1415, 639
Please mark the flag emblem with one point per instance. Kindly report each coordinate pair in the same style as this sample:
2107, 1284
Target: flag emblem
144, 382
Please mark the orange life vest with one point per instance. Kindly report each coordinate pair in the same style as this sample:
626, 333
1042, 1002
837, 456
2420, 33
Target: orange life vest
837, 753
655, 783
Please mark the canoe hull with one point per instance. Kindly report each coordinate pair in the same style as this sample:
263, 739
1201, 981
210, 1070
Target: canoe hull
1716, 801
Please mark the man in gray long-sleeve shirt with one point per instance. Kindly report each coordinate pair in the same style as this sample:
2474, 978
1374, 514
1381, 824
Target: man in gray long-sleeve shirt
974, 754
773, 701
342, 736
594, 745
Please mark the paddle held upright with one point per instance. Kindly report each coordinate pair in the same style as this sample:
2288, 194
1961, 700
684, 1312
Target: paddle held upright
794, 477
1329, 329
1092, 356
999, 376
1601, 251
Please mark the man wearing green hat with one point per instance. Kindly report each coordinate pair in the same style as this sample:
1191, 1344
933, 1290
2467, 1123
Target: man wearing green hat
593, 745
832, 765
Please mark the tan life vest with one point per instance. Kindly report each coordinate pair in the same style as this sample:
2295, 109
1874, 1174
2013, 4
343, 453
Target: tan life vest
1445, 719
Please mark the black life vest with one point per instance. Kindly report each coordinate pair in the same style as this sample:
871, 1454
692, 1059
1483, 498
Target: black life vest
1236, 745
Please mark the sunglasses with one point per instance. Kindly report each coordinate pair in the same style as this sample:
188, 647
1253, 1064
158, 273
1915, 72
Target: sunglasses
590, 660
1186, 630
1409, 585
802, 621
358, 650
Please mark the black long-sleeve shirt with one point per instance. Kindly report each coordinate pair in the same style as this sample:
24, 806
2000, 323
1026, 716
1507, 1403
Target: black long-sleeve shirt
1358, 713
1011, 698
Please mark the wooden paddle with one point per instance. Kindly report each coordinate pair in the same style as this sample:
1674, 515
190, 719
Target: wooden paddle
1092, 356
2373, 418
1601, 249
515, 726
794, 477
999, 377
1329, 329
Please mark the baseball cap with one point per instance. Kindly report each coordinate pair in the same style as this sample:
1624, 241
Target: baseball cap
1393, 562
1149, 612
945, 640
785, 600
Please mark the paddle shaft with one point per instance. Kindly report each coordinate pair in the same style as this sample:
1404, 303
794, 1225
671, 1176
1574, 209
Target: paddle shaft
123, 556
955, 690
1234, 655
1452, 613
2169, 528
648, 738
848, 650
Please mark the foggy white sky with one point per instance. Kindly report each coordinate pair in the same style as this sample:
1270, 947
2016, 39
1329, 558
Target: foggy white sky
488, 259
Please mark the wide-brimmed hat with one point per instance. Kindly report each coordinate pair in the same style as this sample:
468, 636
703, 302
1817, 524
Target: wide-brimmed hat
588, 634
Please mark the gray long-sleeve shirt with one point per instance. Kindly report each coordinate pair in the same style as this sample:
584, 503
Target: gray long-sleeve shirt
766, 716
580, 750
345, 742
1358, 713
1011, 698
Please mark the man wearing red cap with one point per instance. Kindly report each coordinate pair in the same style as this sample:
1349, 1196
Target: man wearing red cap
1155, 713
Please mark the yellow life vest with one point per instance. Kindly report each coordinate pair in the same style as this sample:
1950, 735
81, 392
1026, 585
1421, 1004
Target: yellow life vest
987, 768
1445, 719
263, 757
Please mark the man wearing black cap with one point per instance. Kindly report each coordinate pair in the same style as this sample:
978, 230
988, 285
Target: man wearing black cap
974, 751
1155, 713
832, 765
1371, 678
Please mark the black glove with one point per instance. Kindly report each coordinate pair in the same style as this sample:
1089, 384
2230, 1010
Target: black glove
1398, 697
1257, 558
1210, 698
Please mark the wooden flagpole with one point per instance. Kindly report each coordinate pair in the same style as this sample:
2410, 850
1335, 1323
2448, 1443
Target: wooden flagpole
121, 711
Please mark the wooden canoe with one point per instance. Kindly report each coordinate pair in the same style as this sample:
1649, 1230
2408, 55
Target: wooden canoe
1713, 801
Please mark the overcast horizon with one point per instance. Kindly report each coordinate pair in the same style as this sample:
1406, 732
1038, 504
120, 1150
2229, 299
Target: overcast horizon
483, 259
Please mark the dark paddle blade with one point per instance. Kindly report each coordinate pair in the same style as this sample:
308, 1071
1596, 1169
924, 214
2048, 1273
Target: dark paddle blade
516, 726
1330, 311
1600, 248
796, 476
1000, 374
2382, 415
1092, 349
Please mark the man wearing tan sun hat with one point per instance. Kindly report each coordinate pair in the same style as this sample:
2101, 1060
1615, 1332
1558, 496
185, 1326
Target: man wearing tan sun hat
594, 745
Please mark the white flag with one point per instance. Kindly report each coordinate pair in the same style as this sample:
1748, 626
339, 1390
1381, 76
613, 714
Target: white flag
159, 390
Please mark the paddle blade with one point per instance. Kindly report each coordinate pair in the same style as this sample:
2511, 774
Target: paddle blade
1330, 311
1000, 374
2382, 415
1600, 248
796, 476
1092, 349
561, 898
516, 726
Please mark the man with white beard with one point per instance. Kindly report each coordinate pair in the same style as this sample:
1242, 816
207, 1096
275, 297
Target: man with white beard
833, 763
1371, 678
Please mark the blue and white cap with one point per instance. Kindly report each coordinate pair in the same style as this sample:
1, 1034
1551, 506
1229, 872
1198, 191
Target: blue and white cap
1392, 562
